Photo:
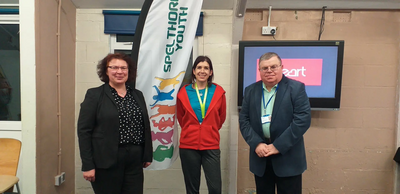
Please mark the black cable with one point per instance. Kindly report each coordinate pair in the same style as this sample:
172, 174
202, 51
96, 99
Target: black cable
321, 26
273, 32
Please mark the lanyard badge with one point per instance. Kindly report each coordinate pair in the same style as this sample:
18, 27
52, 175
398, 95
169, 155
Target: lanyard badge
202, 104
267, 118
265, 105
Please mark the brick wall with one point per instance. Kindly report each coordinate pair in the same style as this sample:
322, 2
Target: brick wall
92, 45
351, 150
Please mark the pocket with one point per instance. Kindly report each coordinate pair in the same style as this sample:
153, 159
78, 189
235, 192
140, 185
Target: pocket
209, 135
97, 135
190, 135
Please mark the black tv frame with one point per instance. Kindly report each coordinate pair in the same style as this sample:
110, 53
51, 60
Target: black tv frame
316, 103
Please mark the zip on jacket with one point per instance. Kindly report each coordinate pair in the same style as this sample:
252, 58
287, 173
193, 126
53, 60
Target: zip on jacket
204, 136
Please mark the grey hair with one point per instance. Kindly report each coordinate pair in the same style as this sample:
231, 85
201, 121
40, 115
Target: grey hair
268, 56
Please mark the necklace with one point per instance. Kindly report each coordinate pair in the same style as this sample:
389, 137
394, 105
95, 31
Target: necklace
121, 93
201, 92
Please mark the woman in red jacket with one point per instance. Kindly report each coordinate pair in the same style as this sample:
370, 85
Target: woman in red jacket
201, 111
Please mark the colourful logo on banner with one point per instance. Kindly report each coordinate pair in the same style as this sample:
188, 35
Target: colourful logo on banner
165, 138
162, 152
164, 48
308, 71
162, 116
163, 110
162, 96
171, 81
163, 124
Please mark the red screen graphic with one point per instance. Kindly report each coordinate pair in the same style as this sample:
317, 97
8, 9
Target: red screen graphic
308, 71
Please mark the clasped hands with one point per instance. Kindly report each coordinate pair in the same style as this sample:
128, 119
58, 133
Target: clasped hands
265, 150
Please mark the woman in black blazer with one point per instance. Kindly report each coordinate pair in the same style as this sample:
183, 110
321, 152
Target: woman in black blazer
114, 130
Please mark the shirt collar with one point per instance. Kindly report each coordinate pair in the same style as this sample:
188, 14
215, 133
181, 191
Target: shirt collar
272, 89
128, 89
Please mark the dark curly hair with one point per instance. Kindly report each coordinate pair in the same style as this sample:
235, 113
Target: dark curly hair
196, 62
103, 65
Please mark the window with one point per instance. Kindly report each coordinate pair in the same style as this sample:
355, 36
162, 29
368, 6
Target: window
124, 43
10, 94
121, 44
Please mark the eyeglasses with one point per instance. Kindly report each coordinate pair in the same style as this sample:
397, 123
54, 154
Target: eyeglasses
115, 68
272, 68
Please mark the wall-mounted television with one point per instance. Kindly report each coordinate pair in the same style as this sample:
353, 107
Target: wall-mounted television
318, 64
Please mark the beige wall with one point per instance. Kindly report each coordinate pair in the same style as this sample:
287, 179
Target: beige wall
47, 132
215, 43
92, 45
351, 150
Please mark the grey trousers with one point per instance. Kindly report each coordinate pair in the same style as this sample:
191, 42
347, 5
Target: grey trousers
192, 160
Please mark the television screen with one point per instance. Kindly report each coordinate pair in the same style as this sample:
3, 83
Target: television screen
318, 64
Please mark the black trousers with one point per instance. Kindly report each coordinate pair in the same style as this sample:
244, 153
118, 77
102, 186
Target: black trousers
192, 160
126, 177
284, 185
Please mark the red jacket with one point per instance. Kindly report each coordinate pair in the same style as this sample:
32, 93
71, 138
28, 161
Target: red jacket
203, 136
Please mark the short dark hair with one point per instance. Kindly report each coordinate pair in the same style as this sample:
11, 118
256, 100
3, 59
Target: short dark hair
103, 65
203, 59
269, 55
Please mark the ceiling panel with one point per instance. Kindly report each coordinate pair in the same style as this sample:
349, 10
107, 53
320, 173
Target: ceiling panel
318, 4
251, 4
9, 2
137, 4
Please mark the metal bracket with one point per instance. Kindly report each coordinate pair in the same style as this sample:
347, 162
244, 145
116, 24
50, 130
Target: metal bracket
240, 7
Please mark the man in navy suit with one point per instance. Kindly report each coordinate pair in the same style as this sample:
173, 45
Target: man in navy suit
275, 115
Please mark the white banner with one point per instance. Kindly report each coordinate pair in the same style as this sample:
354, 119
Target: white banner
164, 52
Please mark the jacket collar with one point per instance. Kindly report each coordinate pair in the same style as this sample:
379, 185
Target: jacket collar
219, 92
107, 91
282, 88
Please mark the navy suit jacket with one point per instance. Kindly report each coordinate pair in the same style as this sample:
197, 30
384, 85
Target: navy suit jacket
291, 117
98, 128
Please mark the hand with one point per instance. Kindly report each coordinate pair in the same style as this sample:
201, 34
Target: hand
89, 175
146, 164
261, 150
271, 150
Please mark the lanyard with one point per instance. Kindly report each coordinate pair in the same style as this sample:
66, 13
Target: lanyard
202, 104
262, 89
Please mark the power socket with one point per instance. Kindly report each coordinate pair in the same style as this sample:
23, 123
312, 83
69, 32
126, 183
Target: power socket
59, 179
268, 30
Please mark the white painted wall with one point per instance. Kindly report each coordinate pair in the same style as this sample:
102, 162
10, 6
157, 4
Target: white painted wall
91, 46
28, 94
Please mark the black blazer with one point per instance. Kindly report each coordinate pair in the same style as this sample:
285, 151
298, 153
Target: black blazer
98, 128
291, 118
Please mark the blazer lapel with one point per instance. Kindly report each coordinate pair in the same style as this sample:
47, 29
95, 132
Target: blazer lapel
138, 100
258, 95
107, 91
282, 88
